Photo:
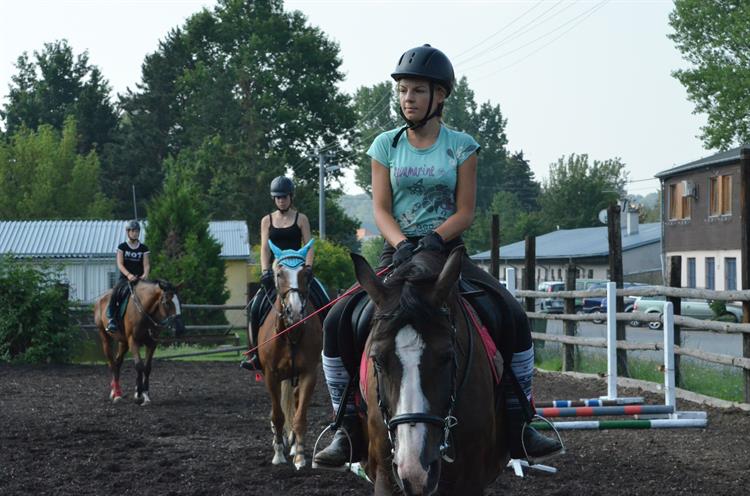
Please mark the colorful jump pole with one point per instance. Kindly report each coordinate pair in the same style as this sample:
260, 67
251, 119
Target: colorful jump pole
587, 402
601, 411
623, 424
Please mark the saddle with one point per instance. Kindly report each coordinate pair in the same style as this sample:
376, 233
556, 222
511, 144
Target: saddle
121, 296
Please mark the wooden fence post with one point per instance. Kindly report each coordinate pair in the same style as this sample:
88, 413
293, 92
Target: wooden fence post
530, 269
495, 247
616, 275
675, 280
569, 350
745, 257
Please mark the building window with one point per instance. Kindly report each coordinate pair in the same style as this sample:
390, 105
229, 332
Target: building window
591, 273
559, 274
730, 270
679, 202
710, 273
720, 196
691, 272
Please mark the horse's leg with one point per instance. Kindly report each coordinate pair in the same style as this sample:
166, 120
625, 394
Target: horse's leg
383, 483
114, 394
122, 348
135, 350
150, 349
303, 395
277, 418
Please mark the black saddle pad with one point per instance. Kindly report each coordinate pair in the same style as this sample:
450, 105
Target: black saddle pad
489, 307
354, 327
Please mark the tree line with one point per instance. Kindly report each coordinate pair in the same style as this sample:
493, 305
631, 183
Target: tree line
246, 91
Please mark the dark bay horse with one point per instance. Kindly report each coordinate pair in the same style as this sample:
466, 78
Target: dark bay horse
151, 307
290, 360
433, 425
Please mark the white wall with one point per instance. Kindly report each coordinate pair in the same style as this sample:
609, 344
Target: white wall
87, 278
700, 266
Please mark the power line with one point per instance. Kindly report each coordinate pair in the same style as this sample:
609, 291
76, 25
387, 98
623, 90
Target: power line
591, 12
458, 57
573, 19
520, 30
643, 180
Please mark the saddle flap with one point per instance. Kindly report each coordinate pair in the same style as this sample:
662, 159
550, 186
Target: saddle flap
353, 329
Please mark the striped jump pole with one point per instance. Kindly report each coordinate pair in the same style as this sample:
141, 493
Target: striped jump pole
623, 424
601, 411
588, 402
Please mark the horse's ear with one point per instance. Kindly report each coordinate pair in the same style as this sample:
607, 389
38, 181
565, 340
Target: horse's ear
448, 276
274, 249
303, 251
368, 279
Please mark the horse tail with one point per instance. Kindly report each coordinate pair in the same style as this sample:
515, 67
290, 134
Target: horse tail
287, 404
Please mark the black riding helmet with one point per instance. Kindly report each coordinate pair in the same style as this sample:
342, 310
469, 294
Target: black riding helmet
132, 225
282, 186
424, 62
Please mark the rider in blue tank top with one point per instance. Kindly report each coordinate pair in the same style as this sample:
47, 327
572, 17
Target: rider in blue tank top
423, 190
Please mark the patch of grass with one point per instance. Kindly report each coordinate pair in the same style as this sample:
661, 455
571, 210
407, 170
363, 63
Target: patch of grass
717, 381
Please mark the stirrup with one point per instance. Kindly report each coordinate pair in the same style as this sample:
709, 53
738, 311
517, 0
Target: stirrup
534, 460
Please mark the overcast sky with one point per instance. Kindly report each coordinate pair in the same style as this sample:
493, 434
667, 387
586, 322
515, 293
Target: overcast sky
570, 76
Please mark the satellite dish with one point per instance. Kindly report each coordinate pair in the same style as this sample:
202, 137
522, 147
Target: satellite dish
603, 216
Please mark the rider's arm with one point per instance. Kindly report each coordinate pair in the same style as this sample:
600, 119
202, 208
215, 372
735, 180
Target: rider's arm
466, 194
382, 204
146, 265
121, 263
265, 251
304, 225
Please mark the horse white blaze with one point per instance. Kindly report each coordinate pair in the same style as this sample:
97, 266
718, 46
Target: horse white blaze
293, 298
410, 439
177, 308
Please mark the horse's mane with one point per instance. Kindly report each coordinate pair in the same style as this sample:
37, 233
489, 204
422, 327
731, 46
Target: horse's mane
414, 278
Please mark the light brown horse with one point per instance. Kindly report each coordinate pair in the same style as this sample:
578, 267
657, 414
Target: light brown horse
290, 361
152, 307
433, 425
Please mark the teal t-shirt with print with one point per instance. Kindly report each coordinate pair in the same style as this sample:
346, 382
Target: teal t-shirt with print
423, 180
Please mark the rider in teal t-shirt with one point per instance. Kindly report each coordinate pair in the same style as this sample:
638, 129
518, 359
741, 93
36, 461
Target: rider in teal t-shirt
423, 179
424, 191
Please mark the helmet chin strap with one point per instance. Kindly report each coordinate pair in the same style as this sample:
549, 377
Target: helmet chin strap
411, 124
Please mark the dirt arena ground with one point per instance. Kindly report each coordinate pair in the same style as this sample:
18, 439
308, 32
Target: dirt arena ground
207, 432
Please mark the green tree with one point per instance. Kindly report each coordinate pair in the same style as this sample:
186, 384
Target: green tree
333, 266
376, 110
43, 177
35, 321
371, 250
182, 250
55, 86
714, 37
248, 91
577, 189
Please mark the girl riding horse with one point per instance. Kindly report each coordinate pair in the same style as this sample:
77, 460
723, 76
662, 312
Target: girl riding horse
423, 189
288, 229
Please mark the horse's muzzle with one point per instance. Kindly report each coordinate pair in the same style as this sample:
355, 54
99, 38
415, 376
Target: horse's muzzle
423, 482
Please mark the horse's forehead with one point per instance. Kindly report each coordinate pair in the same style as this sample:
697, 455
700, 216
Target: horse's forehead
290, 275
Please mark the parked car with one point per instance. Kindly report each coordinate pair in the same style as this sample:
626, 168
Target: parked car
697, 309
595, 304
550, 305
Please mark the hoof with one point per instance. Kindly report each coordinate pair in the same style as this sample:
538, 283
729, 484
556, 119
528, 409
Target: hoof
300, 463
146, 400
278, 460
115, 399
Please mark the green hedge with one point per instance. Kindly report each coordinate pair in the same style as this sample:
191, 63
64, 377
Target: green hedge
35, 321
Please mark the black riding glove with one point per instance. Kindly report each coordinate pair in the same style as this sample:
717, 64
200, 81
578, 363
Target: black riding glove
432, 242
267, 281
404, 252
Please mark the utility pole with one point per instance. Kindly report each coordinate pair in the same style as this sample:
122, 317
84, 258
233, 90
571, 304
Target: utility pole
135, 205
322, 195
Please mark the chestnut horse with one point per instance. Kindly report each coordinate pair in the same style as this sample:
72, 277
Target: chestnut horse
151, 307
290, 360
433, 425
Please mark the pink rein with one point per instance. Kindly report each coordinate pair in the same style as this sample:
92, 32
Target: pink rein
316, 312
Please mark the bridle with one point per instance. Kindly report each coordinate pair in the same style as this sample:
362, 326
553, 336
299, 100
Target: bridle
447, 422
291, 261
167, 323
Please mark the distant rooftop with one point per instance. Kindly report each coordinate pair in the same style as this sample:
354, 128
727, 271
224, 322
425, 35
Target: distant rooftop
99, 238
721, 158
576, 243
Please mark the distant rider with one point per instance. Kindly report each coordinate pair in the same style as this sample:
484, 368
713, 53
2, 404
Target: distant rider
133, 264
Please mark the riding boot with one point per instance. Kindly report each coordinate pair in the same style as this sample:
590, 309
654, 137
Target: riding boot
536, 445
111, 326
252, 361
338, 454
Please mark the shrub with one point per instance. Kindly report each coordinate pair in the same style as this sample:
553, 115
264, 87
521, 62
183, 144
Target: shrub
35, 321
